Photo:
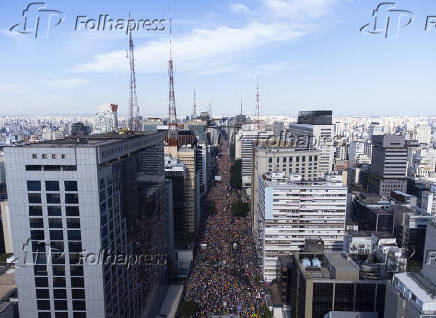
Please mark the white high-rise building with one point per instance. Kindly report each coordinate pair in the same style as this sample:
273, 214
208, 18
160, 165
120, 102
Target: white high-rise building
106, 119
291, 211
423, 134
75, 206
317, 137
248, 140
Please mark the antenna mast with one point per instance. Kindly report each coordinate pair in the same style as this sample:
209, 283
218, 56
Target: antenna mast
241, 105
172, 117
194, 114
134, 120
258, 105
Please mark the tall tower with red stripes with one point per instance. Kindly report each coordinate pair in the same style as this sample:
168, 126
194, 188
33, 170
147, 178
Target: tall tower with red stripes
134, 123
258, 105
194, 113
172, 116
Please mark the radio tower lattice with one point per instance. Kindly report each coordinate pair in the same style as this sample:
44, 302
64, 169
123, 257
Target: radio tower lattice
172, 117
134, 120
194, 113
258, 105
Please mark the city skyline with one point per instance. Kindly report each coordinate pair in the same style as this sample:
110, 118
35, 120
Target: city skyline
294, 47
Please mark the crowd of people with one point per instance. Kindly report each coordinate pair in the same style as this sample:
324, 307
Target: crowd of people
225, 277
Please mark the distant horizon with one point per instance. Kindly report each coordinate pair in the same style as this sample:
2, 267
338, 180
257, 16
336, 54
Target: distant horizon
218, 115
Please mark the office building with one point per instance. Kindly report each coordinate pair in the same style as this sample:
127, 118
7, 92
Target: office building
176, 172
75, 206
275, 159
423, 134
316, 131
375, 129
187, 154
290, 211
317, 117
199, 127
412, 294
428, 201
246, 141
79, 130
278, 128
371, 213
154, 124
330, 281
388, 165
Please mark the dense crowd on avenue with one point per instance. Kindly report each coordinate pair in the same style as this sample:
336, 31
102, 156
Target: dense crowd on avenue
225, 277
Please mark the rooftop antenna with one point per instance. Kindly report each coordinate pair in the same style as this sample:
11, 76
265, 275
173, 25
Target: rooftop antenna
172, 117
241, 105
134, 120
194, 114
258, 104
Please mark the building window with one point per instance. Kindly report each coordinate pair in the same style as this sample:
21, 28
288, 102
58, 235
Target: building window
71, 198
54, 210
58, 270
42, 293
75, 246
33, 168
56, 235
33, 186
35, 210
52, 186
63, 156
76, 270
53, 198
44, 314
74, 235
53, 156
72, 210
41, 282
73, 223
79, 305
78, 282
60, 293
44, 156
55, 223
59, 282
70, 185
37, 235
36, 223
60, 304
43, 304
34, 156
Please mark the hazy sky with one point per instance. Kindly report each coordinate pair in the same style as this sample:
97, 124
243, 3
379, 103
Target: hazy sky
308, 54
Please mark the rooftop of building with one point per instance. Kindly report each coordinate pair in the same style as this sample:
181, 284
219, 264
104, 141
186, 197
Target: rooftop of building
88, 141
379, 234
419, 285
327, 265
341, 262
280, 149
7, 282
366, 198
